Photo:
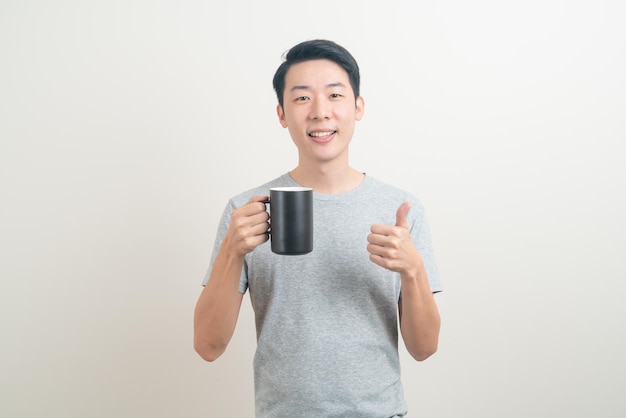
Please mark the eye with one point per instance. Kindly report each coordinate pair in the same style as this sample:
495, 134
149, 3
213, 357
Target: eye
301, 99
335, 96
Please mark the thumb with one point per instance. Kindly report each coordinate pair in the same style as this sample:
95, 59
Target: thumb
401, 214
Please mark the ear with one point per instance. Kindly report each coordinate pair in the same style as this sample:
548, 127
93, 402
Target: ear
281, 116
360, 108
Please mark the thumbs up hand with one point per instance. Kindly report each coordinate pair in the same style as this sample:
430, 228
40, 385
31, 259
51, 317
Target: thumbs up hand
391, 246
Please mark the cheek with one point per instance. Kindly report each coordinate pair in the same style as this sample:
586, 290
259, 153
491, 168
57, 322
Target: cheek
296, 133
347, 112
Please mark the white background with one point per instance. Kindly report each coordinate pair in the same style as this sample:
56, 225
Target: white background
126, 125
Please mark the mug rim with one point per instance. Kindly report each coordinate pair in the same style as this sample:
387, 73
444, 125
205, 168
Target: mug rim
291, 189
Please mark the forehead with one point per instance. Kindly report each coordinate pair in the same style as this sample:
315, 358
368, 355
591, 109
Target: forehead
315, 73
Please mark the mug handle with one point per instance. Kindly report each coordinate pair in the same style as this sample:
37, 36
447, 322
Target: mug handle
269, 231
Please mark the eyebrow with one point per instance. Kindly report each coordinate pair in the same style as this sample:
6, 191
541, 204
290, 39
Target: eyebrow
330, 85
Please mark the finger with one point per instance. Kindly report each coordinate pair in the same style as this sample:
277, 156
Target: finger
258, 198
382, 229
253, 206
376, 250
378, 260
377, 239
259, 218
251, 242
259, 202
259, 229
245, 222
247, 217
401, 215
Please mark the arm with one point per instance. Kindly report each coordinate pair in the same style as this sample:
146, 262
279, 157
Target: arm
217, 308
419, 316
391, 247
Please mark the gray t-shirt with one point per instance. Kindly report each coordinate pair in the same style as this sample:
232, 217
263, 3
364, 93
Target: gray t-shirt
326, 322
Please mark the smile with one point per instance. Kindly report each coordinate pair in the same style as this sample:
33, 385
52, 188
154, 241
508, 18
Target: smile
322, 134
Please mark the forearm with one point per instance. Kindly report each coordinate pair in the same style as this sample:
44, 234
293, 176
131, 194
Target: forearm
218, 306
419, 317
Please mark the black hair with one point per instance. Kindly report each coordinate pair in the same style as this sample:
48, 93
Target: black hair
314, 50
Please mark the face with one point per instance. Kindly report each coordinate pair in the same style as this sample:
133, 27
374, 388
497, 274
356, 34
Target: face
320, 111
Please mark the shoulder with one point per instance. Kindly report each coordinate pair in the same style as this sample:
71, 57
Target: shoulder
261, 190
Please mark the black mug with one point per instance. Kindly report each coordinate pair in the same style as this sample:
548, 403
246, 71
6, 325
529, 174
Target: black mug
291, 220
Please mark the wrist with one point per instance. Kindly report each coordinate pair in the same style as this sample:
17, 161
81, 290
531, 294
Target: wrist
416, 277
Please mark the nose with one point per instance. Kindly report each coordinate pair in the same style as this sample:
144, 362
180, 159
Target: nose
320, 109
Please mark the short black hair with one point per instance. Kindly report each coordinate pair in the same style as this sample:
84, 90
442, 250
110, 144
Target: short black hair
315, 50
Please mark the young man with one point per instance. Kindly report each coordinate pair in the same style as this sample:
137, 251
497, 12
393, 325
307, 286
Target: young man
327, 321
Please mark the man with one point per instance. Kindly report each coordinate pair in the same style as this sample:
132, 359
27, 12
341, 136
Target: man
327, 340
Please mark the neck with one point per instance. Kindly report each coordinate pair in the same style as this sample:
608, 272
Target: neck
328, 180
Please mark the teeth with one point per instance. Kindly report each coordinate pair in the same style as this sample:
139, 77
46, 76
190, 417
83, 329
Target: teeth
321, 134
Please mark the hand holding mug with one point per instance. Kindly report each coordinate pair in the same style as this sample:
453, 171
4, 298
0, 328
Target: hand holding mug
248, 226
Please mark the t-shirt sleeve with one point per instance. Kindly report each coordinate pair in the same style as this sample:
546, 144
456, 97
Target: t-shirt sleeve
219, 237
420, 232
